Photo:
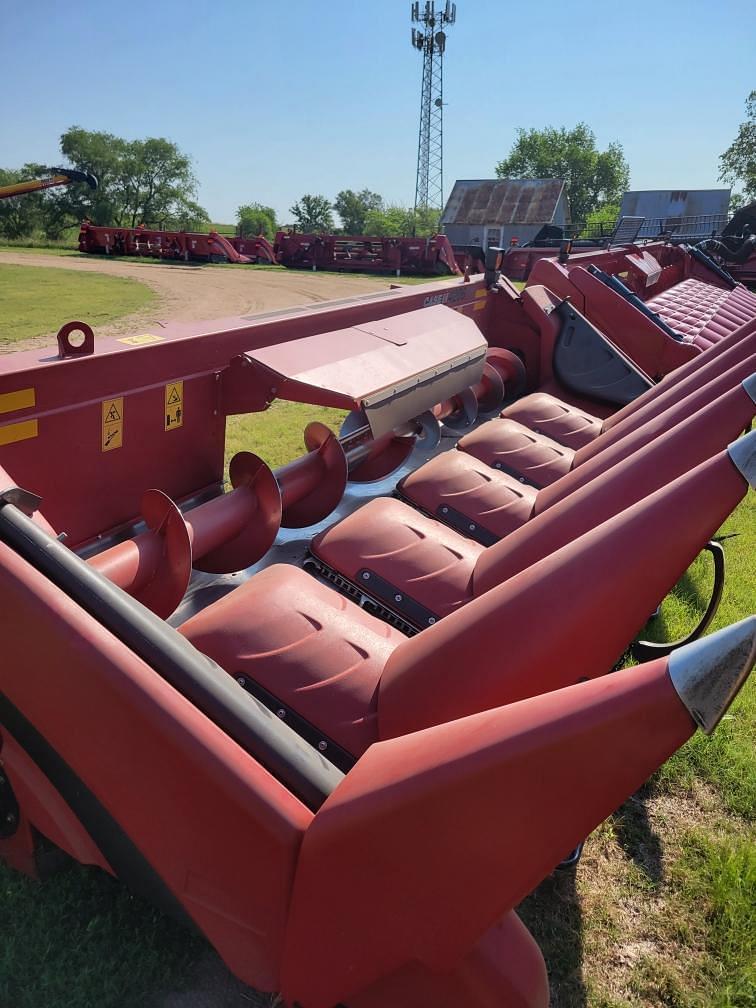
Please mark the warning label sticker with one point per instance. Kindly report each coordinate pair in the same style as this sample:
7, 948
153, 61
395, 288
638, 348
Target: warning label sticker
112, 424
174, 405
143, 339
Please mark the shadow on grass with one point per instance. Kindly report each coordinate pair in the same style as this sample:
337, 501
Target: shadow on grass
636, 837
553, 916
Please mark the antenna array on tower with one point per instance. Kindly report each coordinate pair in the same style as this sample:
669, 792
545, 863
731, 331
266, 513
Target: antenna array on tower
429, 38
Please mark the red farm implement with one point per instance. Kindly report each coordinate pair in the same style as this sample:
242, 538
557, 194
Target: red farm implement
182, 245
664, 304
353, 723
363, 254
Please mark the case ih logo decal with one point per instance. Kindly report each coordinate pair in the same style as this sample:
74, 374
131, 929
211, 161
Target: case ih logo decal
448, 297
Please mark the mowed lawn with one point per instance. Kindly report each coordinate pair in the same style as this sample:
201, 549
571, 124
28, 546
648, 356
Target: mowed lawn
35, 301
660, 911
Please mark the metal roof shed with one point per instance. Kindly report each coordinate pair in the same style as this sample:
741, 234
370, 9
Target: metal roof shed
493, 211
694, 213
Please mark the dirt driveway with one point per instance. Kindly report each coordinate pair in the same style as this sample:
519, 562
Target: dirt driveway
190, 292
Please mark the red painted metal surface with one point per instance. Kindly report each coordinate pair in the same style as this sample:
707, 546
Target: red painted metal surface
250, 864
682, 291
459, 801
487, 504
219, 830
744, 272
185, 245
465, 785
432, 256
52, 431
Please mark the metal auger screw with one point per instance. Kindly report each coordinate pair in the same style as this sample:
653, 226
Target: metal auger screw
241, 680
365, 576
322, 746
281, 712
397, 598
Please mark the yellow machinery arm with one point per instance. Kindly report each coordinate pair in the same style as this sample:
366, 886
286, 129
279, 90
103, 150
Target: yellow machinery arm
58, 177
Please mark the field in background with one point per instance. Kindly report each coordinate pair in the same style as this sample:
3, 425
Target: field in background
659, 913
35, 301
53, 248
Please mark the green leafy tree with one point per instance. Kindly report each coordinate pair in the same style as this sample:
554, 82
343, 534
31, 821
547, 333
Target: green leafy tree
399, 221
389, 220
20, 216
427, 221
593, 177
353, 208
738, 163
190, 216
140, 181
606, 215
254, 219
313, 213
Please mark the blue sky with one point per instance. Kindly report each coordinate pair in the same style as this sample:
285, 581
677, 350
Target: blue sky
273, 100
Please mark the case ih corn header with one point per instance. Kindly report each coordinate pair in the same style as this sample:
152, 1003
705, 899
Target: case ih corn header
339, 730
432, 256
420, 256
185, 245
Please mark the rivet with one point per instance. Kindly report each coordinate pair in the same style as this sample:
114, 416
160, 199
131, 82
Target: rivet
397, 598
10, 818
444, 510
322, 746
471, 526
365, 575
431, 620
281, 712
522, 479
241, 680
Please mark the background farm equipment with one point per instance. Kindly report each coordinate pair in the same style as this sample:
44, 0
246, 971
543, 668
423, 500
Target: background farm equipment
364, 254
187, 246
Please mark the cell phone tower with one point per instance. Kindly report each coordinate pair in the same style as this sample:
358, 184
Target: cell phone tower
429, 38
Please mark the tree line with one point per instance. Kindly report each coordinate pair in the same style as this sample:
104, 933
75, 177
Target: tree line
147, 182
151, 182
360, 212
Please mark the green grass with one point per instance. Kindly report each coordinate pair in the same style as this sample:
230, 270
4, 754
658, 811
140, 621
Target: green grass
661, 910
82, 940
224, 229
36, 300
277, 434
51, 248
41, 248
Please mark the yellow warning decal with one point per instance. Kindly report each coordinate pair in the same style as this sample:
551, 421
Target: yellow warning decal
478, 305
112, 424
481, 293
18, 432
10, 401
174, 405
142, 340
